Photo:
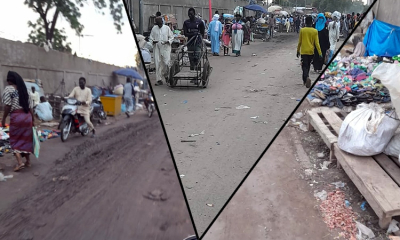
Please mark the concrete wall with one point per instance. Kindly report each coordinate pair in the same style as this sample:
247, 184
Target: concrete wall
180, 9
387, 11
51, 67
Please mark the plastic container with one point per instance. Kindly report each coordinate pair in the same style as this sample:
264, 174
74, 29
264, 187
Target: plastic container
112, 104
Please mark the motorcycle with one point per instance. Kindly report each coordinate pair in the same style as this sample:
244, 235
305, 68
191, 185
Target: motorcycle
150, 106
97, 110
71, 121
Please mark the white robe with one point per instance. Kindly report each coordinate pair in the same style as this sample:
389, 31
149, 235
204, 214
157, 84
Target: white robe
162, 52
333, 35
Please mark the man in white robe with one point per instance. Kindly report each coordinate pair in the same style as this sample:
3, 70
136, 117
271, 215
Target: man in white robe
161, 38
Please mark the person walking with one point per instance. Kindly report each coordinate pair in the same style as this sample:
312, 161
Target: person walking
297, 24
84, 95
346, 26
287, 24
19, 105
35, 97
271, 24
308, 41
226, 36
237, 35
128, 94
323, 37
215, 33
193, 29
161, 37
334, 35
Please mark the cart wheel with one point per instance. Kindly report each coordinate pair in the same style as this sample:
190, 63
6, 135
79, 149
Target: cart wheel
172, 71
206, 74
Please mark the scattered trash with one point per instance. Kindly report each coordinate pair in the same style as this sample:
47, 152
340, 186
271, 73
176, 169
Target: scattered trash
303, 127
63, 178
255, 117
254, 54
362, 206
184, 102
337, 215
217, 109
347, 203
321, 155
182, 176
364, 230
165, 95
393, 227
325, 165
107, 123
263, 73
188, 140
218, 143
321, 195
339, 184
197, 134
4, 178
242, 107
36, 174
298, 115
298, 100
210, 205
309, 172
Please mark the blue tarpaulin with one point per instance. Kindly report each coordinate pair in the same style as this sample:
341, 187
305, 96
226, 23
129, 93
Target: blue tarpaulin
256, 8
382, 39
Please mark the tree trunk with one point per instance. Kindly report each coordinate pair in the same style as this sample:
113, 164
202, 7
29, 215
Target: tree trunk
50, 32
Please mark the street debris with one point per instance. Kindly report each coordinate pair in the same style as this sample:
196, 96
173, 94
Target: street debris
362, 206
309, 172
325, 165
347, 203
197, 134
255, 117
254, 54
298, 115
242, 107
184, 102
321, 155
393, 227
156, 195
321, 195
337, 215
4, 178
364, 230
217, 109
210, 205
339, 184
188, 140
182, 176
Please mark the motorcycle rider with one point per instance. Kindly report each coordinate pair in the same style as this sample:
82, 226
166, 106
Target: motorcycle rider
83, 95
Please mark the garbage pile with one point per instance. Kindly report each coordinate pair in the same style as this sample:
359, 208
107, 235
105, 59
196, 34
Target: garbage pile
348, 82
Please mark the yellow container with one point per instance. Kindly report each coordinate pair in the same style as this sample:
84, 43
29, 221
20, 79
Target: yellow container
112, 104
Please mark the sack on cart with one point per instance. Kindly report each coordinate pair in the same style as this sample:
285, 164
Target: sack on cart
367, 130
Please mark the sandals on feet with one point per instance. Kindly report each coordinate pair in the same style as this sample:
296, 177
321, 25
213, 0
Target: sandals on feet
20, 167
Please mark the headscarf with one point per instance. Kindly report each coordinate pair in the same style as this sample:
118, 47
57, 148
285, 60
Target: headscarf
23, 95
320, 23
217, 22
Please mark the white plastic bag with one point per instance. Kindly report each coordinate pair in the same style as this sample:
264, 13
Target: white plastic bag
393, 148
389, 74
366, 131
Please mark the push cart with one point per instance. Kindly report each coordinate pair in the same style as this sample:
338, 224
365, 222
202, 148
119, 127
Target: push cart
180, 75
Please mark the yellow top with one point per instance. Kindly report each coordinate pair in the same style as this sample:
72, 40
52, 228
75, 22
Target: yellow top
308, 39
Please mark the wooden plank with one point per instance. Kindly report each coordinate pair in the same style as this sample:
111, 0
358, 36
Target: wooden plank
333, 119
322, 129
389, 166
381, 192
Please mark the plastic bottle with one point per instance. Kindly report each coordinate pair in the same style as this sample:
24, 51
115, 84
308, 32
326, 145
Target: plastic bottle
362, 206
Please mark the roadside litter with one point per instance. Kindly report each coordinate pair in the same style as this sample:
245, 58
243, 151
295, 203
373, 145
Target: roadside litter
242, 107
364, 230
321, 195
4, 178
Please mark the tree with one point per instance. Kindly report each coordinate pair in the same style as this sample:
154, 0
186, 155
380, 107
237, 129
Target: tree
50, 11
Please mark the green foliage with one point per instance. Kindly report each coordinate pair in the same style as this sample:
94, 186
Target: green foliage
49, 12
347, 6
38, 36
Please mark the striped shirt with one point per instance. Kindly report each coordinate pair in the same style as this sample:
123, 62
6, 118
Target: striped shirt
11, 98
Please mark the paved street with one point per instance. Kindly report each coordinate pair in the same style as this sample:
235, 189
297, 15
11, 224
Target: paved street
213, 166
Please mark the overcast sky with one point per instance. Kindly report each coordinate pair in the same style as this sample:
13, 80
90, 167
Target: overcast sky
104, 46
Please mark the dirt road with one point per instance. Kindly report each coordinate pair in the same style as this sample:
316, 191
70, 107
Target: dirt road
273, 202
269, 83
100, 189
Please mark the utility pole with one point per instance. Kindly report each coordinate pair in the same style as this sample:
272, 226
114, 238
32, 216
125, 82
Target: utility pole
141, 16
210, 11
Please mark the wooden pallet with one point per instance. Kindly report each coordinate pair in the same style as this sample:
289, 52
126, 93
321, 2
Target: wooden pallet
377, 177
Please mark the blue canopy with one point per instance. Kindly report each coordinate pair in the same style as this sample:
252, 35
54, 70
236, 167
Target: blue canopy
255, 7
127, 72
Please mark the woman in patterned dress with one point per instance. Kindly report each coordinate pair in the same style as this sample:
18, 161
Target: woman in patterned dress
19, 106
